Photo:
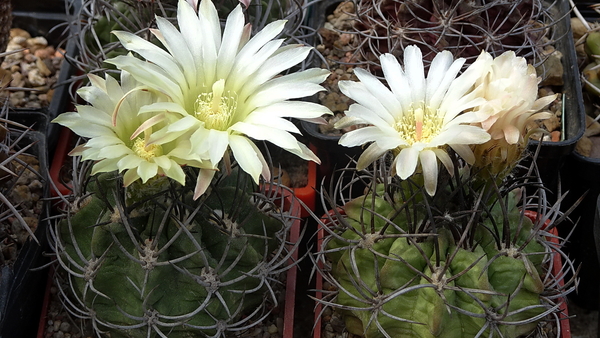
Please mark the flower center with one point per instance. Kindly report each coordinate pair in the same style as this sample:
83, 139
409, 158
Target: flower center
419, 124
144, 151
217, 108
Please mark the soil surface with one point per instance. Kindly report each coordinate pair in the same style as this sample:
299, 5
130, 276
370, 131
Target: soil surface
33, 68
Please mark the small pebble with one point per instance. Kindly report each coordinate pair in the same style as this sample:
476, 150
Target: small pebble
65, 326
273, 329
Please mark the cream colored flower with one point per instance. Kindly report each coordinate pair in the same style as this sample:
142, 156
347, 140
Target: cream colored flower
223, 88
417, 117
110, 142
511, 90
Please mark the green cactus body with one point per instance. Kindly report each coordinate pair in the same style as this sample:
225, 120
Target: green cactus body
451, 291
181, 270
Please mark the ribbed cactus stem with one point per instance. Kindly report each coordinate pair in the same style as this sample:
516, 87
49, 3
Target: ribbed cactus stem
407, 265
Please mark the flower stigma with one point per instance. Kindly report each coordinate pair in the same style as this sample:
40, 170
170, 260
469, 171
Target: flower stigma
216, 109
144, 151
419, 124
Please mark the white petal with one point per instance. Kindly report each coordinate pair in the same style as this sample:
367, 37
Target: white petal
464, 151
462, 84
396, 80
443, 84
377, 89
359, 93
244, 70
187, 19
114, 151
413, 67
104, 166
210, 40
150, 75
175, 172
265, 35
437, 71
147, 170
372, 153
246, 156
284, 91
276, 64
349, 121
205, 176
219, 141
295, 109
280, 138
158, 107
271, 122
383, 120
179, 49
152, 53
406, 162
430, 170
359, 136
461, 134
443, 156
129, 161
234, 28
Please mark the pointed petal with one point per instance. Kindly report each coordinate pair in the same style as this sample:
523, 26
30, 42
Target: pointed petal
406, 162
246, 156
430, 170
205, 176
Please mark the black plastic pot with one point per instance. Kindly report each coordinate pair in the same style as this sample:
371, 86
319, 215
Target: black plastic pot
22, 284
581, 178
51, 21
552, 155
333, 156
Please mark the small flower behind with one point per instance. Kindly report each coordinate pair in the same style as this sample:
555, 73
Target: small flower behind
416, 118
510, 89
111, 120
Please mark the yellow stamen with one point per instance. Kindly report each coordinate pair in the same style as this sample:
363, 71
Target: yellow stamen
419, 124
144, 151
215, 109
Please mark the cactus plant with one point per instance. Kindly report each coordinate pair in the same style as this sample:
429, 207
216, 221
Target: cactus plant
406, 265
149, 260
442, 248
463, 28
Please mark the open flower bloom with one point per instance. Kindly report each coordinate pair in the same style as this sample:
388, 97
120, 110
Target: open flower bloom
510, 88
417, 117
223, 88
110, 142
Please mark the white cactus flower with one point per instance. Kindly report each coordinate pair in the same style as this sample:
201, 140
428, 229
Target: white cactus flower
416, 117
110, 142
223, 88
511, 90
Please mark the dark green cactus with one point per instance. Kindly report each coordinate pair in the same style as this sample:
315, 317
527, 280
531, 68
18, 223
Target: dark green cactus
147, 260
465, 263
